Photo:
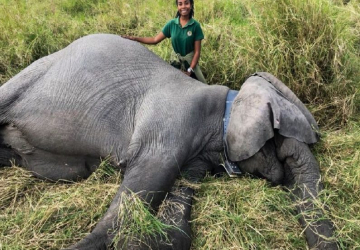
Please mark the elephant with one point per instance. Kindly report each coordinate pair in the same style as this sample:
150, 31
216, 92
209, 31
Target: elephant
106, 96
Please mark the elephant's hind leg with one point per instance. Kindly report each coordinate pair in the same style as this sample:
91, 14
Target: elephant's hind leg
43, 164
54, 167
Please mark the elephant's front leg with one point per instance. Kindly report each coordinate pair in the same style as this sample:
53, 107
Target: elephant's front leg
150, 175
302, 177
175, 214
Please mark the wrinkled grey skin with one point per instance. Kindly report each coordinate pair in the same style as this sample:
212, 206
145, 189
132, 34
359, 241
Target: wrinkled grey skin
107, 96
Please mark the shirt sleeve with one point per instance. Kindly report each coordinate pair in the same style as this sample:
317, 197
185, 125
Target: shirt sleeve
199, 35
166, 29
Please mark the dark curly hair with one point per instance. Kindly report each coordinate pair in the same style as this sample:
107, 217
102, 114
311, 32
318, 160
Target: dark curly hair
191, 14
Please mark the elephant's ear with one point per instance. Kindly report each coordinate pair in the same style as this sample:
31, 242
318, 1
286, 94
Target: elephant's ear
263, 104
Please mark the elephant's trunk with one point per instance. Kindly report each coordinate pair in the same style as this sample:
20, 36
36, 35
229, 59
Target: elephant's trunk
318, 231
302, 177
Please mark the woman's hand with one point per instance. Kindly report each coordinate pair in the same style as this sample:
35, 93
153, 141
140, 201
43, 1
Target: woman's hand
186, 72
147, 40
129, 37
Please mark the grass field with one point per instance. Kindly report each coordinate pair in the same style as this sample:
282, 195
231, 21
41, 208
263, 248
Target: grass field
312, 45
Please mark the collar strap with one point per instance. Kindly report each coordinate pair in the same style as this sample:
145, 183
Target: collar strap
229, 101
231, 167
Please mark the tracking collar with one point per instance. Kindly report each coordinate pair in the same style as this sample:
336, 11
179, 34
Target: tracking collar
229, 101
231, 167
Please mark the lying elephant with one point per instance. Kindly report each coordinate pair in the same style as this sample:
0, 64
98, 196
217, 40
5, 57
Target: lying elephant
107, 96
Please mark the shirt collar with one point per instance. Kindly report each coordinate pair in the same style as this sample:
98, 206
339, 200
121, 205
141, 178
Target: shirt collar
190, 22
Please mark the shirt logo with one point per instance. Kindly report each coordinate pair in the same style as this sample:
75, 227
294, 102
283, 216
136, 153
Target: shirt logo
189, 33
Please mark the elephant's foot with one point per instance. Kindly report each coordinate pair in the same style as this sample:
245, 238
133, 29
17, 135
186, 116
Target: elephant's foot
176, 214
130, 225
173, 215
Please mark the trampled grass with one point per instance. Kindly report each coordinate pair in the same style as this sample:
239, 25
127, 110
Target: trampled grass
312, 45
37, 214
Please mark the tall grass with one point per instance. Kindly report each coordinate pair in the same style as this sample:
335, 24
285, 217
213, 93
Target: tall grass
312, 45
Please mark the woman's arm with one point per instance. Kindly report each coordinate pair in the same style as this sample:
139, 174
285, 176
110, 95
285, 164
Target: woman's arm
147, 40
195, 60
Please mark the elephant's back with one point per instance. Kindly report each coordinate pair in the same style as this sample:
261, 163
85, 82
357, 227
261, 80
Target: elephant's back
85, 68
87, 93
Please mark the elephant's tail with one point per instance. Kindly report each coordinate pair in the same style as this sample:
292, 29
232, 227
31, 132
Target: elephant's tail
7, 154
289, 95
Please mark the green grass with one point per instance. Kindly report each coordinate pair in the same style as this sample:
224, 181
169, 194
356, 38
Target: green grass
312, 45
137, 224
40, 215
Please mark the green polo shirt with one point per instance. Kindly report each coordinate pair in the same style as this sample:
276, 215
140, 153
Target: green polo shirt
183, 38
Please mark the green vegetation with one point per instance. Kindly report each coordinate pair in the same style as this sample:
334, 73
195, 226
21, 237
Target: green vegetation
311, 45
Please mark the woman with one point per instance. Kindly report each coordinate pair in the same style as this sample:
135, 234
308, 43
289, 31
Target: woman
186, 35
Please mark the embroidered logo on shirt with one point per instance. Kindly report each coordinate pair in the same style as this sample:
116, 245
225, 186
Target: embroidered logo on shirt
189, 33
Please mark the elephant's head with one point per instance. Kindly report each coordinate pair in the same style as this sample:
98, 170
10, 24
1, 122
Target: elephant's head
268, 136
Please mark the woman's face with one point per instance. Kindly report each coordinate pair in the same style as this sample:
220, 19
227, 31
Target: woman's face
184, 7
